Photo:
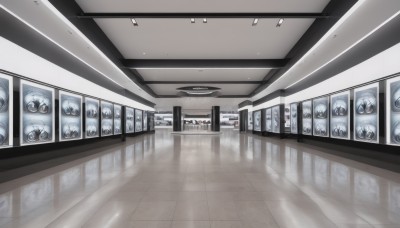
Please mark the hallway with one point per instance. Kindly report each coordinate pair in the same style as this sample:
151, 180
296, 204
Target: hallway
229, 181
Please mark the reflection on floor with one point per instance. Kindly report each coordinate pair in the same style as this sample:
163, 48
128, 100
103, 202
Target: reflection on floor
231, 180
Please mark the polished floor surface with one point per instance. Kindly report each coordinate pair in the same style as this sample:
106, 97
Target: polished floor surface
228, 181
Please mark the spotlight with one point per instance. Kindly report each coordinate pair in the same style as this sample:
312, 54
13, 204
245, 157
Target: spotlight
134, 22
205, 20
255, 22
192, 20
280, 22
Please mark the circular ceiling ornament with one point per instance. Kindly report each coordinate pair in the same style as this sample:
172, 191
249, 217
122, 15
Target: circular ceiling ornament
206, 91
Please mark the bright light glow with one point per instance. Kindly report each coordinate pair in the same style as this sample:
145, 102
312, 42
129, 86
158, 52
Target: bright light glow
347, 49
205, 20
255, 22
192, 20
192, 68
280, 22
199, 93
134, 22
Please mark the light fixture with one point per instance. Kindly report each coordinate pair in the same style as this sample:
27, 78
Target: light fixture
280, 22
255, 22
134, 22
192, 20
205, 20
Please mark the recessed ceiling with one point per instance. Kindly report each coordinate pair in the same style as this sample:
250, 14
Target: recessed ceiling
226, 89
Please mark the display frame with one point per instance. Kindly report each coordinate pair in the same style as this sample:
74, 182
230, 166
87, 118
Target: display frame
141, 127
250, 124
334, 117
325, 120
268, 123
10, 111
144, 118
60, 116
127, 121
115, 119
52, 101
97, 119
310, 119
374, 86
103, 120
278, 128
258, 113
292, 129
389, 111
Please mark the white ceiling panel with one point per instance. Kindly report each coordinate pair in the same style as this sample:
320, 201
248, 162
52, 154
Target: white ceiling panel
203, 74
216, 39
202, 6
226, 89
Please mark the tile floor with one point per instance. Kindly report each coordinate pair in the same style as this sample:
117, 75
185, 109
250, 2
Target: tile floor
228, 181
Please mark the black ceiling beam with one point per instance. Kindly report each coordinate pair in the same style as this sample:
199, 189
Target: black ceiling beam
201, 15
203, 82
204, 63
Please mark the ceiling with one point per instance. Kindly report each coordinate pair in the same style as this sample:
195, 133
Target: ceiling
177, 39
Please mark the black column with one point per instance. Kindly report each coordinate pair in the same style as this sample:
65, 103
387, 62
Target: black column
215, 125
177, 118
243, 120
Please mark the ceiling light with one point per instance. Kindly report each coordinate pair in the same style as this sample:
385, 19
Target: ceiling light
205, 20
255, 22
192, 20
134, 22
280, 22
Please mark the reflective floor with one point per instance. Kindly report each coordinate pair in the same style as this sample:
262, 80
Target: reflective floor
228, 181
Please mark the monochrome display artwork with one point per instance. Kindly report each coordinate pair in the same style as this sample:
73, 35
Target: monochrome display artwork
340, 118
268, 120
321, 117
151, 121
138, 120
70, 112
107, 114
257, 120
129, 120
144, 120
6, 110
366, 106
293, 118
287, 116
92, 117
250, 121
117, 120
37, 113
276, 119
307, 117
393, 111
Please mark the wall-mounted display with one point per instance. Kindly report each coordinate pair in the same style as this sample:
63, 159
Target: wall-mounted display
129, 120
268, 120
366, 115
37, 114
307, 117
117, 119
6, 111
70, 112
257, 120
293, 118
393, 111
107, 114
287, 116
151, 121
144, 120
321, 117
91, 117
250, 121
276, 119
340, 118
138, 120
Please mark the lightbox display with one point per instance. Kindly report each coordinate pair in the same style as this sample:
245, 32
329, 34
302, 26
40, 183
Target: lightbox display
276, 119
70, 112
250, 121
293, 118
321, 117
257, 120
393, 111
366, 115
268, 120
107, 113
340, 118
307, 117
138, 120
6, 110
144, 120
91, 117
37, 113
129, 120
117, 120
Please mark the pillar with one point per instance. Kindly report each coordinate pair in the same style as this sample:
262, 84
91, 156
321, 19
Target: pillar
177, 118
215, 124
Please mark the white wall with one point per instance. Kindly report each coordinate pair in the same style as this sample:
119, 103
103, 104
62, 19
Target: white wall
20, 61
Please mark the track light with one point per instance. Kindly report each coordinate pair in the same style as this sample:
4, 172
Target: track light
280, 22
192, 20
134, 22
205, 20
255, 22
